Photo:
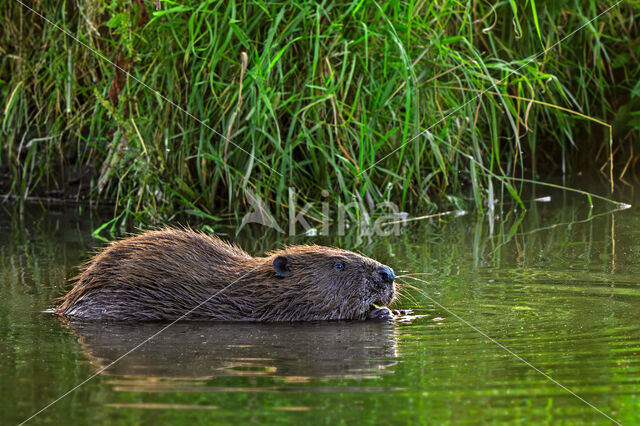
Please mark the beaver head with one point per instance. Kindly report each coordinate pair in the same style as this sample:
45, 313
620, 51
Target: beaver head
328, 283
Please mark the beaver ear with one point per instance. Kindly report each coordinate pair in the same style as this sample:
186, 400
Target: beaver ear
281, 266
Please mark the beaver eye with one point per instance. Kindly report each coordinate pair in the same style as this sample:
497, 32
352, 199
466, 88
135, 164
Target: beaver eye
338, 266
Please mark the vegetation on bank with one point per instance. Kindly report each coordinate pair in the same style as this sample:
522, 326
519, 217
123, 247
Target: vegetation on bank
425, 104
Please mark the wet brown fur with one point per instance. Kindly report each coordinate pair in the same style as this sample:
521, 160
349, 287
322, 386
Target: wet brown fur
163, 275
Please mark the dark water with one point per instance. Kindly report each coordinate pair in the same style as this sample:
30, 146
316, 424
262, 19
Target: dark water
558, 287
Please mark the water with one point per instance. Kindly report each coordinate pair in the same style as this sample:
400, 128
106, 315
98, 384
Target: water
558, 287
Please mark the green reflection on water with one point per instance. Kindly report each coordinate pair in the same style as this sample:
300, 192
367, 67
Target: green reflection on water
560, 291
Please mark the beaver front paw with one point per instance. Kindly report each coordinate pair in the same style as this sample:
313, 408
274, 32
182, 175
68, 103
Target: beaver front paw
387, 314
383, 313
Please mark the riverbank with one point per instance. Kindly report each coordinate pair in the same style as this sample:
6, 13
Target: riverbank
197, 107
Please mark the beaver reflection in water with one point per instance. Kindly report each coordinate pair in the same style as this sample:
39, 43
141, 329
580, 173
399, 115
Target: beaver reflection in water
181, 274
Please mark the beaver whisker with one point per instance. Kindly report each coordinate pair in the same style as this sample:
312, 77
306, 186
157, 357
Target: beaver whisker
410, 274
406, 296
418, 289
402, 285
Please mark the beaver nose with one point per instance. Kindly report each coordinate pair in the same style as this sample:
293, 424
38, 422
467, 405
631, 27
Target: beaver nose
386, 274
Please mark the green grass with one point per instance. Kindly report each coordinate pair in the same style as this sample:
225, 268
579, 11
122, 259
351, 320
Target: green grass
368, 100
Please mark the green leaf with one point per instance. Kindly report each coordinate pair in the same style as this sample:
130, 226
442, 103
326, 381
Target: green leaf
115, 21
535, 20
620, 60
635, 92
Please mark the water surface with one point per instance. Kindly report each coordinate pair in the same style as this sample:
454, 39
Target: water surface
558, 287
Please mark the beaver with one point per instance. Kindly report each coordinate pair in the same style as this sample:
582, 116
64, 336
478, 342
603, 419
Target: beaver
181, 274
